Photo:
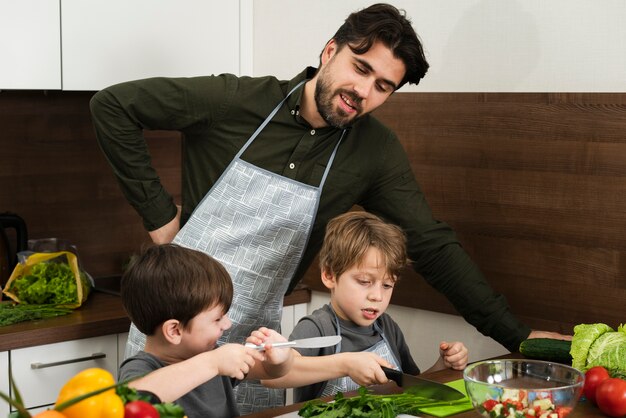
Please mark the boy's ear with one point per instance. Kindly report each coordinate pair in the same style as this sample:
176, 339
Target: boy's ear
172, 331
328, 278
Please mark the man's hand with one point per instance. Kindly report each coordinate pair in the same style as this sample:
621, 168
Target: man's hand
549, 334
167, 232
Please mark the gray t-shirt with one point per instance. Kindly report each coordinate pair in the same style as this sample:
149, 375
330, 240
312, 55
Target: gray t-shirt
214, 398
354, 339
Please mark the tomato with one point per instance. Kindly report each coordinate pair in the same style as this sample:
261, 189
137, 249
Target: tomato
489, 404
611, 397
509, 403
140, 409
593, 377
563, 411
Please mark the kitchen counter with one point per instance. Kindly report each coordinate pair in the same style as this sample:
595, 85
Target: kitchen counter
583, 409
101, 314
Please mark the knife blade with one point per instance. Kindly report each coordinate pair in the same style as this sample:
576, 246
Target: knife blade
423, 387
315, 342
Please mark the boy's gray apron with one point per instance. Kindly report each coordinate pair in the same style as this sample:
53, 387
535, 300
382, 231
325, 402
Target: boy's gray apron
345, 384
257, 224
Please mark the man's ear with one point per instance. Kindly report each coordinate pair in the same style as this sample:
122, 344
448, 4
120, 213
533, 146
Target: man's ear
172, 331
329, 279
329, 51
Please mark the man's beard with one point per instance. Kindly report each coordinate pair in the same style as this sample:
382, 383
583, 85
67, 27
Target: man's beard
334, 116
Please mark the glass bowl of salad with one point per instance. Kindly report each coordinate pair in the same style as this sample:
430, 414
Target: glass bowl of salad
511, 388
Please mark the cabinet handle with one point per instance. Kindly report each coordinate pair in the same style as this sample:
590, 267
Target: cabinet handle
94, 356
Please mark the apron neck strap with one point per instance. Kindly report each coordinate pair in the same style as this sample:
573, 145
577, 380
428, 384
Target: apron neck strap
267, 120
330, 160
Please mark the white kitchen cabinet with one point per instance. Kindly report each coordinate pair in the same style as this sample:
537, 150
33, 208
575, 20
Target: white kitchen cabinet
4, 381
291, 315
41, 371
121, 348
30, 44
109, 41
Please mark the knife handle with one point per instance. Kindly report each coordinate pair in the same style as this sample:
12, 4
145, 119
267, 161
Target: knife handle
393, 374
274, 345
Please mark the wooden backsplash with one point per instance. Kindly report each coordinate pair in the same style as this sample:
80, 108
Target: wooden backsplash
534, 185
53, 174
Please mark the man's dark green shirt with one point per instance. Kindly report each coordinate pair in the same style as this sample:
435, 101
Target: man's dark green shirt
217, 114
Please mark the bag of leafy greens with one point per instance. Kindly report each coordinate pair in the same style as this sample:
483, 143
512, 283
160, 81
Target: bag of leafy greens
49, 279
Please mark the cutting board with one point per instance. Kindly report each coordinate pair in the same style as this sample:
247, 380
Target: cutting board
294, 414
444, 411
439, 411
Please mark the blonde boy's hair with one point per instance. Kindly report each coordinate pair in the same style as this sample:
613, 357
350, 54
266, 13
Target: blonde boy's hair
349, 236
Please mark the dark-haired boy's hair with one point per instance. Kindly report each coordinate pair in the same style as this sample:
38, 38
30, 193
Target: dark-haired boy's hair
389, 25
172, 282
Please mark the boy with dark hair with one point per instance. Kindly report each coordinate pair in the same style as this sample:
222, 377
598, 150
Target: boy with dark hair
179, 298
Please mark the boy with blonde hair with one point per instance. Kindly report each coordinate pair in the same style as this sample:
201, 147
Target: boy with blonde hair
360, 260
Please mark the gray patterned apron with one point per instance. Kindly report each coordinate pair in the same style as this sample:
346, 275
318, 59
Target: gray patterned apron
257, 224
345, 383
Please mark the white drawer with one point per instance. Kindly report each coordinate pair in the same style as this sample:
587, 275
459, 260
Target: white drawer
4, 381
40, 372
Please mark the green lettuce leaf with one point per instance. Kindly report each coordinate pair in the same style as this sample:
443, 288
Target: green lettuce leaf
608, 351
47, 284
584, 336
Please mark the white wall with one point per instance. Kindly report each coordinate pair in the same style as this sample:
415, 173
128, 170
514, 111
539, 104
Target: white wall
472, 45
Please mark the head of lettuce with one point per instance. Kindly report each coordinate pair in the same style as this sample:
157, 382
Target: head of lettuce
49, 279
599, 345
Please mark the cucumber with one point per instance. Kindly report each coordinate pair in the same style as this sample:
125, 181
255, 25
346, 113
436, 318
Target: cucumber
547, 349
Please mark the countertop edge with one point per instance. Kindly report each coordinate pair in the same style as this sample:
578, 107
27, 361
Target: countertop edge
102, 314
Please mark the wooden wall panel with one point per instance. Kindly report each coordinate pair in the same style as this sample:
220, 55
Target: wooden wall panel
53, 174
534, 185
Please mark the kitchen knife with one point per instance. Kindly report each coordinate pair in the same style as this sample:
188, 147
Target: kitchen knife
423, 387
315, 342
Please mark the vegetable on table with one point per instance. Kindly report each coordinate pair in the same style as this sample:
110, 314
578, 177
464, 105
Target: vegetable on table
13, 313
103, 405
593, 377
165, 409
140, 409
47, 283
93, 393
368, 405
547, 349
599, 345
611, 397
49, 279
514, 403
